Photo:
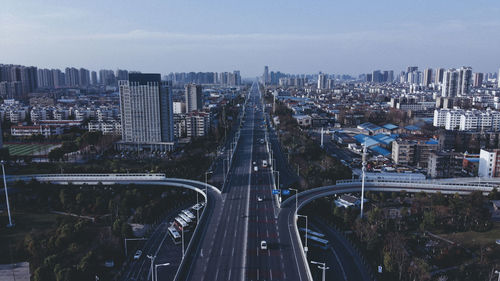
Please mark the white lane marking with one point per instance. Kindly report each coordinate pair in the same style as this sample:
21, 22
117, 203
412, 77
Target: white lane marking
247, 212
340, 263
217, 273
270, 274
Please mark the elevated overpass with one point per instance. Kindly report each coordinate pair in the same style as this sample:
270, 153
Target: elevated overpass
211, 194
287, 219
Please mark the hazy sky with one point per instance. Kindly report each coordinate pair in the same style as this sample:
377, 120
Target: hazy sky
294, 36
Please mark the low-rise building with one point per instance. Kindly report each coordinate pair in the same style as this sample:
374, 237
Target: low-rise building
443, 164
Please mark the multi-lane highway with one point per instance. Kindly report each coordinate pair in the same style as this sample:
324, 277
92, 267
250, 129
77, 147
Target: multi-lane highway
230, 248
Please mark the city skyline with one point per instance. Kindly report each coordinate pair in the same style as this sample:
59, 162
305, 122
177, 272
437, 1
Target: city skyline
287, 36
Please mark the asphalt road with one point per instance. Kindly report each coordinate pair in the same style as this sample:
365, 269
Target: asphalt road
230, 249
160, 245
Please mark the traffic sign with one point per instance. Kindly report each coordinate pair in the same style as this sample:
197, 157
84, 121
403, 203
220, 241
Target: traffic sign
276, 191
285, 191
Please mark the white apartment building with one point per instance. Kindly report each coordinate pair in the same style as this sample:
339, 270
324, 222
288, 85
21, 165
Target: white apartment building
111, 127
147, 114
489, 163
470, 120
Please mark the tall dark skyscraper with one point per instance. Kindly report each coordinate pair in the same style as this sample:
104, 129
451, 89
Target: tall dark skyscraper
265, 76
439, 75
427, 77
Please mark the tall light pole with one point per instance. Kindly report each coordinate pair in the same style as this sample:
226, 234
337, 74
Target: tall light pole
322, 137
131, 239
306, 248
206, 184
156, 269
363, 179
152, 258
6, 195
322, 266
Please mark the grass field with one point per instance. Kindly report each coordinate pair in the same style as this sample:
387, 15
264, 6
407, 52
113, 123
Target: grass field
17, 149
472, 238
24, 223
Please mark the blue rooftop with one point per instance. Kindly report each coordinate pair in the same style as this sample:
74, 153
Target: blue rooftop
364, 139
369, 126
385, 139
412, 128
432, 141
390, 126
380, 150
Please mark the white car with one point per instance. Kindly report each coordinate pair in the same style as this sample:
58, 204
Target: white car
137, 255
259, 199
255, 168
263, 245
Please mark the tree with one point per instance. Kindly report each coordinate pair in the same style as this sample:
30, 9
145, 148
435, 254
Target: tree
126, 230
429, 220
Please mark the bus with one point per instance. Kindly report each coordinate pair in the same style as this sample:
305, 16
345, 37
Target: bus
189, 214
185, 218
174, 234
181, 224
312, 233
316, 241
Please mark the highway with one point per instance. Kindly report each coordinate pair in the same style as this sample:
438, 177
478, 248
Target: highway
230, 249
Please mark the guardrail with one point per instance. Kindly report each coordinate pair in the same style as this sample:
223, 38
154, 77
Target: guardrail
344, 186
139, 179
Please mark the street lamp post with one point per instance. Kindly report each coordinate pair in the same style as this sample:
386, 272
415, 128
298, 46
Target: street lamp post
6, 195
156, 269
206, 184
306, 249
322, 266
131, 239
152, 258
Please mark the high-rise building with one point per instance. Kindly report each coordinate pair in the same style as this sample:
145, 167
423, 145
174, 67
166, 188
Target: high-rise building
194, 97
265, 76
390, 76
93, 78
147, 113
427, 77
72, 76
322, 81
84, 77
237, 77
121, 74
498, 78
107, 77
439, 75
464, 80
478, 79
377, 76
411, 69
450, 83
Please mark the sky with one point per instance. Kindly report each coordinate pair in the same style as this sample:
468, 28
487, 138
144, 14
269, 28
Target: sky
292, 36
